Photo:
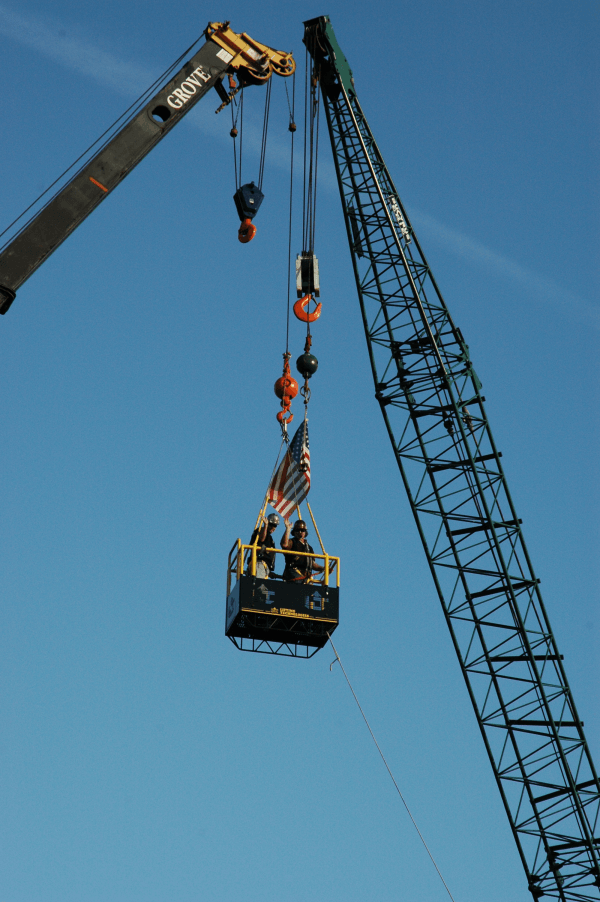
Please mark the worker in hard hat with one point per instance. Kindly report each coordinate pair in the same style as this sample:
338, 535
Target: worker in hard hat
298, 568
265, 559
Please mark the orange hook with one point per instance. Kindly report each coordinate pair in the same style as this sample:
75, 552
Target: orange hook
286, 388
247, 231
300, 309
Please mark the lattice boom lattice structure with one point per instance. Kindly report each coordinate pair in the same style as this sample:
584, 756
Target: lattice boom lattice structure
430, 399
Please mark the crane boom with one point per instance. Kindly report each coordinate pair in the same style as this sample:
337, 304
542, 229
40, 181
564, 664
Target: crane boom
224, 51
430, 398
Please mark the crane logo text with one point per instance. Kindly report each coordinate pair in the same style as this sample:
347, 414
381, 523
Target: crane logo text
188, 88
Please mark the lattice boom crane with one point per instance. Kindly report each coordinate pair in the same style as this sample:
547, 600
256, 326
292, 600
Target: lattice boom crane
431, 403
430, 399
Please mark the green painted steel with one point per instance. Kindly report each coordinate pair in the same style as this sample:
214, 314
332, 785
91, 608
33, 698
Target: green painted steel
430, 398
342, 66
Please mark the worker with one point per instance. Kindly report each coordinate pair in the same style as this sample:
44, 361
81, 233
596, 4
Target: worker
265, 560
298, 569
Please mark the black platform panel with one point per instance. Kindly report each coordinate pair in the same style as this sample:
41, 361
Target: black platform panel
278, 612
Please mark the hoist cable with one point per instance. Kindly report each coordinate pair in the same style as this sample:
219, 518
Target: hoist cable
241, 129
233, 129
308, 243
306, 77
309, 196
311, 150
263, 146
290, 108
314, 210
127, 115
339, 660
266, 497
292, 122
283, 441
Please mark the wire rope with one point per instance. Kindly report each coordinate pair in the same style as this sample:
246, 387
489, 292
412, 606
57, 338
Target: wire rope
421, 837
284, 440
306, 77
266, 497
263, 146
307, 238
310, 173
241, 115
127, 115
289, 279
314, 212
234, 136
292, 467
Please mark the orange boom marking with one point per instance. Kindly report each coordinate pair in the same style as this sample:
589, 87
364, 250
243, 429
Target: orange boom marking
99, 185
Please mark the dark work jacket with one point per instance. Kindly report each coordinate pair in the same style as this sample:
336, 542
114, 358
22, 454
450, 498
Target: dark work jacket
298, 567
261, 550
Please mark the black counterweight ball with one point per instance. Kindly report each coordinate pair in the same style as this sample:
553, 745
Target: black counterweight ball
307, 365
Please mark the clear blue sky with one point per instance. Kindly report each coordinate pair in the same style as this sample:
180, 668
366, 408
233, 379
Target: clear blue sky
145, 759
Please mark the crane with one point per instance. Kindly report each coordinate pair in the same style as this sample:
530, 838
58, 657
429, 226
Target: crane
224, 52
433, 409
431, 402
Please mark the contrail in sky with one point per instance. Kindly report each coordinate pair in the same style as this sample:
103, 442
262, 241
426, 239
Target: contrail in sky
475, 252
75, 53
80, 55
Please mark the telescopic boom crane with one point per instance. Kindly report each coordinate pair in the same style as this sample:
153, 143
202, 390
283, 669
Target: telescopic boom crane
431, 402
224, 52
433, 410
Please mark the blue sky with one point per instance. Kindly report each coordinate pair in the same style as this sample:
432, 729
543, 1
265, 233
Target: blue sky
144, 757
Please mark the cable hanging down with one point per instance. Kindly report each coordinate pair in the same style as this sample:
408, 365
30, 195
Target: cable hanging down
307, 266
249, 197
292, 129
421, 837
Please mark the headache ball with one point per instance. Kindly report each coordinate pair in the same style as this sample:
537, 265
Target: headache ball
307, 365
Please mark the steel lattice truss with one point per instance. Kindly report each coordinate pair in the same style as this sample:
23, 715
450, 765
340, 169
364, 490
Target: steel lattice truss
431, 403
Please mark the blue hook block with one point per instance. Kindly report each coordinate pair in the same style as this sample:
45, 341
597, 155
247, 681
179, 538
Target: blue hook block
248, 199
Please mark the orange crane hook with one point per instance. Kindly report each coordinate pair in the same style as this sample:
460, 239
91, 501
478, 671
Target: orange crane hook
247, 231
300, 309
286, 388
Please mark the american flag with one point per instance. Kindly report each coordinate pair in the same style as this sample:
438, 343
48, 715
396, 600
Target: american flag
291, 482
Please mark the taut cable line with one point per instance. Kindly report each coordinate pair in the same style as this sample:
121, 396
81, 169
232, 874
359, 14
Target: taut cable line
421, 837
292, 129
126, 116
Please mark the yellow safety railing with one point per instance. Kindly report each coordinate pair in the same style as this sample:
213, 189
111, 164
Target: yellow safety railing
244, 557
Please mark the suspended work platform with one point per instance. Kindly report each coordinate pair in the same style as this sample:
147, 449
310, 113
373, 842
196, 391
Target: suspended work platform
276, 617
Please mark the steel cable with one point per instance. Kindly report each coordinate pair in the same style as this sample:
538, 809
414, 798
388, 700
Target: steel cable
292, 122
339, 660
127, 115
263, 146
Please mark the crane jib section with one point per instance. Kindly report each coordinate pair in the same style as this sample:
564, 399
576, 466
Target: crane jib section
127, 141
430, 398
90, 186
